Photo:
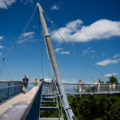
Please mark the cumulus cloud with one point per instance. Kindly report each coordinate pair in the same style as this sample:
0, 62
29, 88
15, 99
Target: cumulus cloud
116, 55
88, 50
109, 74
25, 2
61, 51
1, 37
108, 61
27, 36
58, 49
2, 46
65, 52
4, 4
75, 31
55, 7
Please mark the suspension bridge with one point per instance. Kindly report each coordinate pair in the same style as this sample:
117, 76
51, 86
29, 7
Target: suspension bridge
46, 96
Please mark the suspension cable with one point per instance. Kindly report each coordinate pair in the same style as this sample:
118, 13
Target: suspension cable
19, 38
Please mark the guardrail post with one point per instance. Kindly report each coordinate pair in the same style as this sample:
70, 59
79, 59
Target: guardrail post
15, 88
8, 90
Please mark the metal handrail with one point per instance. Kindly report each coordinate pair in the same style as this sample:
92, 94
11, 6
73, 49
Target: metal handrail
9, 89
11, 86
87, 83
10, 81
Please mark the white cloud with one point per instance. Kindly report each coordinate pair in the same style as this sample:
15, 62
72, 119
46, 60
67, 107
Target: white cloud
109, 74
25, 2
1, 37
65, 52
116, 55
61, 51
58, 49
88, 50
108, 61
76, 32
4, 4
55, 7
27, 36
2, 46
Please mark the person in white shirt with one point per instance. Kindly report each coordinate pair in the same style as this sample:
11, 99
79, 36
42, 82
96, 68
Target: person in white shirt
98, 85
113, 86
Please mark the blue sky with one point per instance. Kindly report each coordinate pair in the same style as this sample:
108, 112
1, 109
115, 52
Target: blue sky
90, 48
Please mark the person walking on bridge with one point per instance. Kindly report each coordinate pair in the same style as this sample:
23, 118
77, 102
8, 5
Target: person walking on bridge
80, 85
35, 82
25, 83
98, 85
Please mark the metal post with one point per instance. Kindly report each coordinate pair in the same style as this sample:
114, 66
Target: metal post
68, 110
14, 88
8, 90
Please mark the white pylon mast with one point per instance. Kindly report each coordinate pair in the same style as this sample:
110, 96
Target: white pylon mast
65, 103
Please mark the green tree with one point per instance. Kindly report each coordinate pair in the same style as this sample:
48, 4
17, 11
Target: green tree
96, 107
101, 81
113, 79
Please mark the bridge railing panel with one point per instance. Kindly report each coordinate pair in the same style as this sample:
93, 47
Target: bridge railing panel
9, 89
91, 88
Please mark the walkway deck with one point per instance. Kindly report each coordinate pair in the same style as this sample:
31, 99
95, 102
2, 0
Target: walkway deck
16, 108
